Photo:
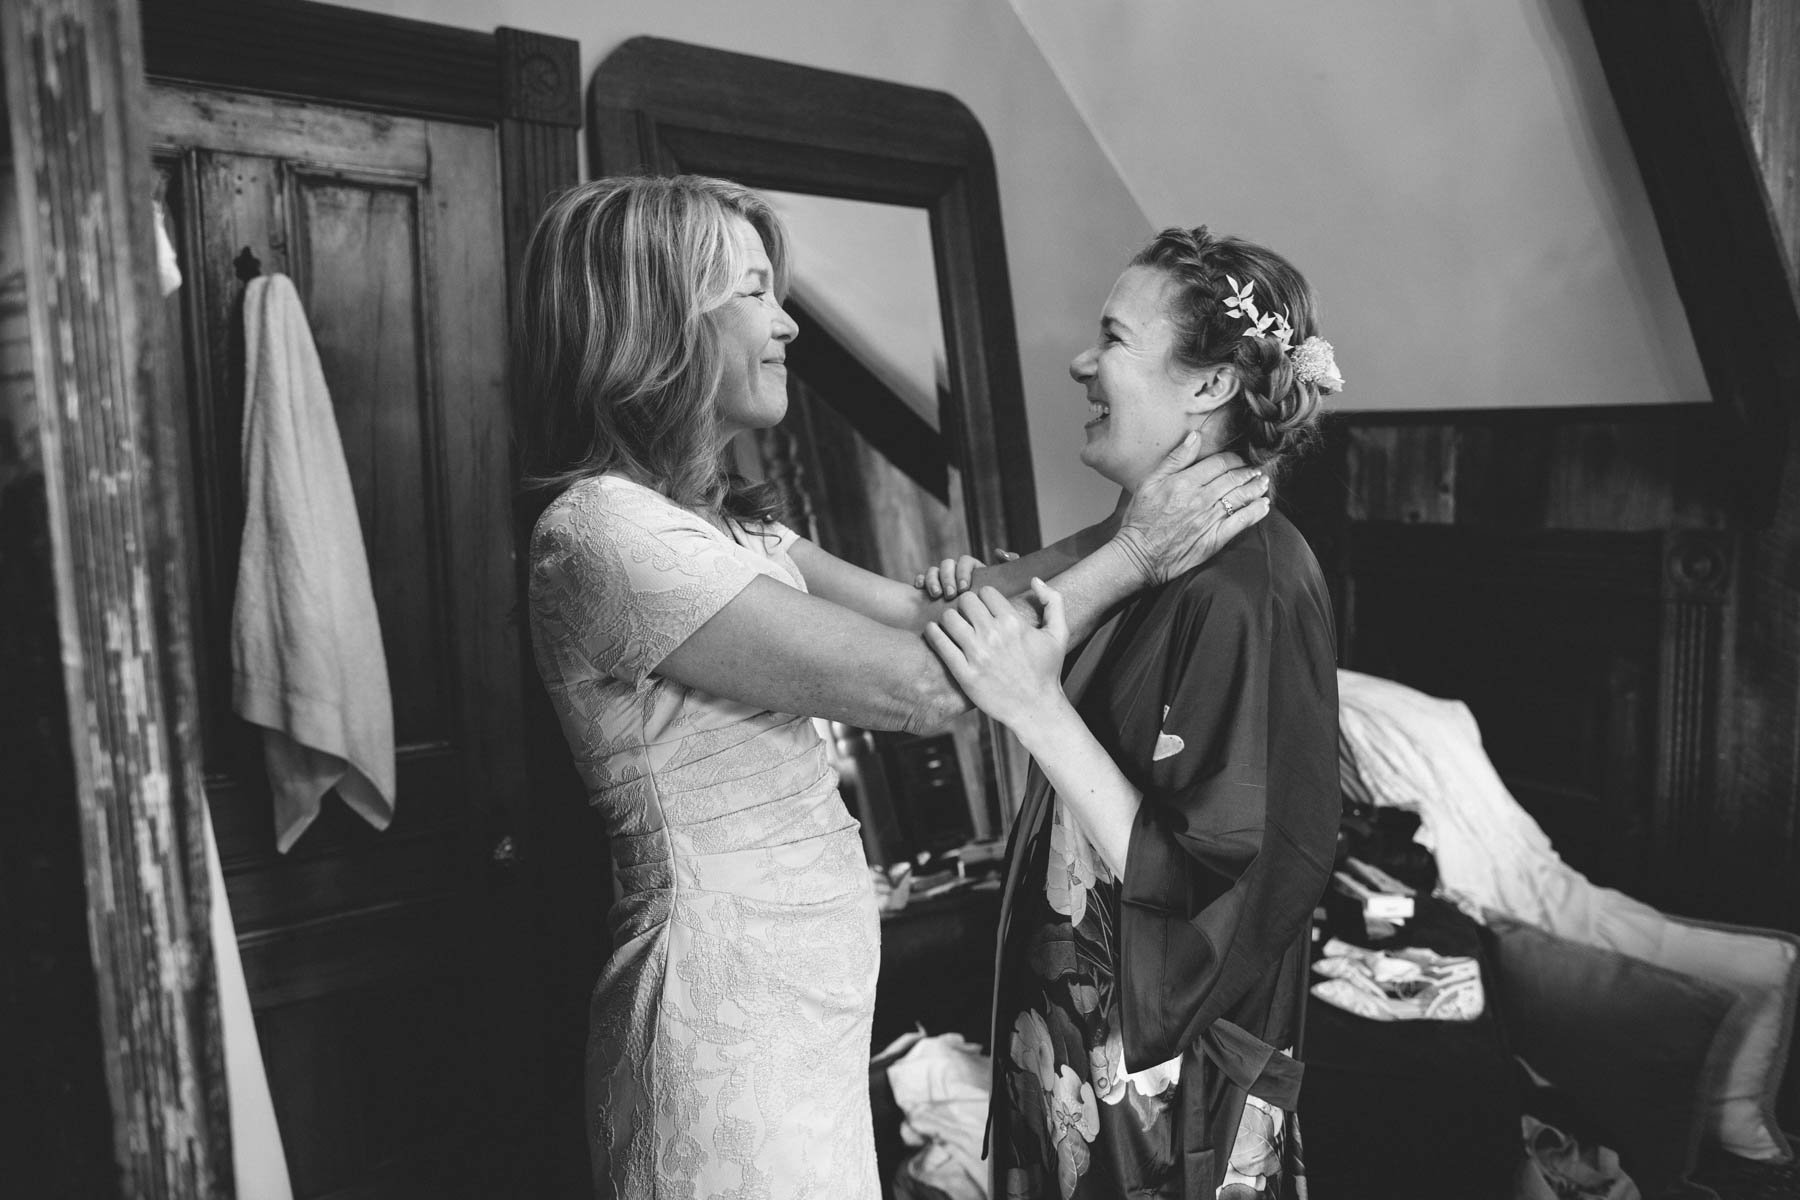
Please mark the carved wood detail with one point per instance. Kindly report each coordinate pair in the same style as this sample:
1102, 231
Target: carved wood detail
540, 78
1697, 575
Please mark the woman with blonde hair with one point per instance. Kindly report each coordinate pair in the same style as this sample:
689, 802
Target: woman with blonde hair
685, 636
1181, 818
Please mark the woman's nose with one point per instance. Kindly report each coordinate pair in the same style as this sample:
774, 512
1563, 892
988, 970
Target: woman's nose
1081, 367
785, 328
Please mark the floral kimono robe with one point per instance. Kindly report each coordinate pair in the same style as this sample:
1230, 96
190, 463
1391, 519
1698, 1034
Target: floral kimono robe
1135, 1017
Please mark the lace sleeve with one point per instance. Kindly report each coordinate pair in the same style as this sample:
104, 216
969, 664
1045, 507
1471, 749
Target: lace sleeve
621, 576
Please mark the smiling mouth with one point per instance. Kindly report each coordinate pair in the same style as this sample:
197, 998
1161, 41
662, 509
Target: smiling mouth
1097, 413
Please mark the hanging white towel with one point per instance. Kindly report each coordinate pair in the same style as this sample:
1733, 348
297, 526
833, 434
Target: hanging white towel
305, 643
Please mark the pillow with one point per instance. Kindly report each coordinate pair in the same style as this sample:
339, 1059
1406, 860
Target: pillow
1761, 967
1636, 1046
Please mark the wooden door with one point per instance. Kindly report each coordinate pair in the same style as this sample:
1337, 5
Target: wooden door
392, 973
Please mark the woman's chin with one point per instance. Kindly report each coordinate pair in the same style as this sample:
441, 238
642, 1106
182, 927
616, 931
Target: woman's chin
1095, 461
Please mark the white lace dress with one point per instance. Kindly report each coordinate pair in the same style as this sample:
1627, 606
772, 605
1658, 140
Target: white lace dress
728, 1039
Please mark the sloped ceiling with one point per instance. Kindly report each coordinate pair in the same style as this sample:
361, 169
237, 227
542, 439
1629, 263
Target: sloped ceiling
1453, 178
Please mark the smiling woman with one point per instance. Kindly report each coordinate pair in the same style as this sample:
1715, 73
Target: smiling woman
753, 333
1180, 818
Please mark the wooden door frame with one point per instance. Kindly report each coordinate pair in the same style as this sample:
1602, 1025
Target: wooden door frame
110, 446
527, 85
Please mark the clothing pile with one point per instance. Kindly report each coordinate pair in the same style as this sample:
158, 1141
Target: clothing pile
1410, 984
1557, 1167
941, 1084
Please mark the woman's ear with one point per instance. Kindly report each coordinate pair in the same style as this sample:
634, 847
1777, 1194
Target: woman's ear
1213, 387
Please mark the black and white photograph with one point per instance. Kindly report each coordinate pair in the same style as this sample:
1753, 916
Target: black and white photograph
922, 600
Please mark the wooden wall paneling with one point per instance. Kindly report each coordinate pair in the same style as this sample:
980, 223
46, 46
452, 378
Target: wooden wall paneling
1501, 476
84, 184
1402, 473
1551, 638
1757, 807
1628, 469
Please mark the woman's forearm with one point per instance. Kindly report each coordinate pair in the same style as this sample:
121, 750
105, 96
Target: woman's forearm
1093, 586
1085, 777
1014, 576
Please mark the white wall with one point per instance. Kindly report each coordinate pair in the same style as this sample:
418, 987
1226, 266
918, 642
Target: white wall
1452, 177
1070, 221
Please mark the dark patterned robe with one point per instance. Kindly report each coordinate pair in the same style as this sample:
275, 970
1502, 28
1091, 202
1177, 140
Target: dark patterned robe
1216, 694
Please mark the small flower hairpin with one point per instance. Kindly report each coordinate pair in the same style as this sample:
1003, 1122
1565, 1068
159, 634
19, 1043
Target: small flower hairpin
1239, 304
1313, 359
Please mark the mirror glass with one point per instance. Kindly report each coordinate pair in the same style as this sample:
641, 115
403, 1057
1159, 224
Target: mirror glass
869, 476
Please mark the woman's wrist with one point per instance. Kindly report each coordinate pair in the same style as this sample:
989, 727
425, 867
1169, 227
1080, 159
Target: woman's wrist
1137, 565
1048, 725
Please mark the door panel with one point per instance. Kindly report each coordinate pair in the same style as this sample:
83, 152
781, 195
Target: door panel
392, 972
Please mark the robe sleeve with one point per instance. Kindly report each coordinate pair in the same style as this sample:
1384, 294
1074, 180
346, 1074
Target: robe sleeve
1234, 840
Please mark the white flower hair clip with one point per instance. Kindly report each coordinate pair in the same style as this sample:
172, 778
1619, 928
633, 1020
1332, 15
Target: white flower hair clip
1313, 359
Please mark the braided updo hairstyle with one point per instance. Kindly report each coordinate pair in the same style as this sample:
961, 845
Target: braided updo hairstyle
1275, 415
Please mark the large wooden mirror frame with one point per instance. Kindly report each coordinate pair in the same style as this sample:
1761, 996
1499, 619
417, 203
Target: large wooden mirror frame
664, 107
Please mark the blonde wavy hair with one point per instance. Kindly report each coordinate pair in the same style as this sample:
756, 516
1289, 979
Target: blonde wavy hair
615, 338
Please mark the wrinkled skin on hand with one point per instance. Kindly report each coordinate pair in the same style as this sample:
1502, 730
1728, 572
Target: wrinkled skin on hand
1185, 511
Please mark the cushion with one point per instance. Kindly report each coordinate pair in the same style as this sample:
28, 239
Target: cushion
1637, 1046
1761, 967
